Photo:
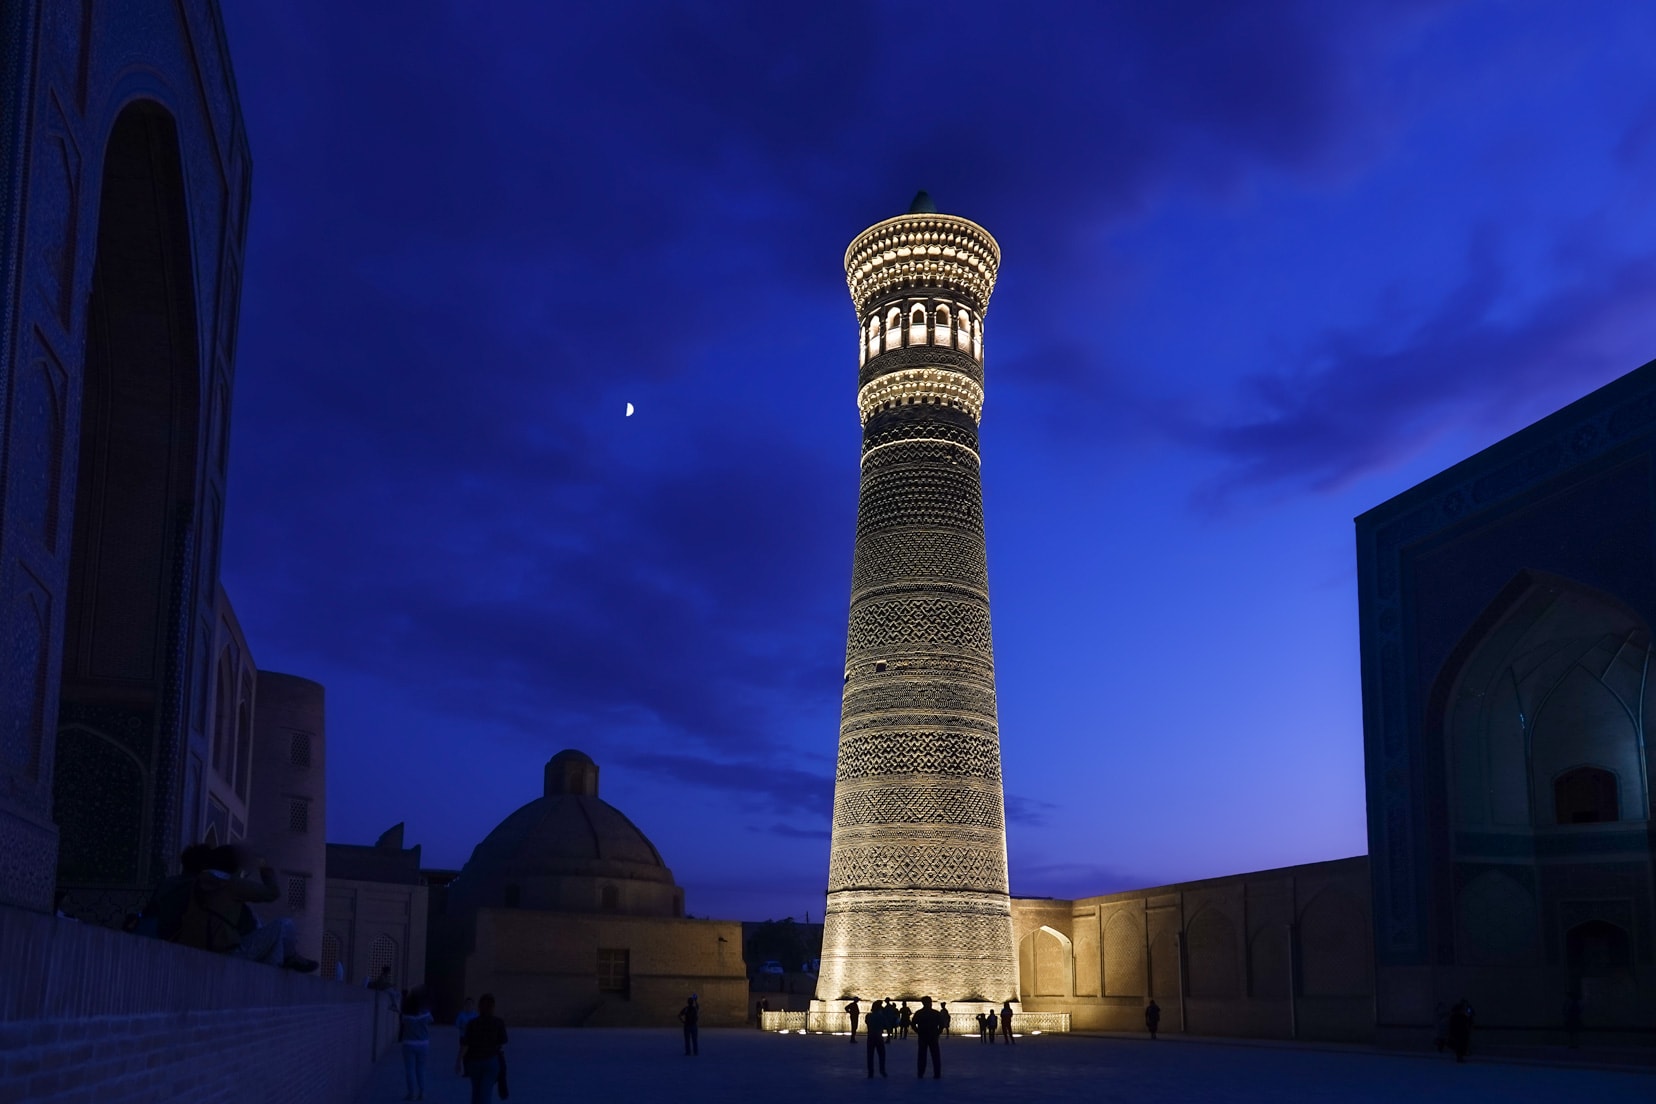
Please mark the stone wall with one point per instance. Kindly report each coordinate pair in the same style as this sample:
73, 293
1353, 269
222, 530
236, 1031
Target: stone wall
1281, 953
544, 968
87, 1013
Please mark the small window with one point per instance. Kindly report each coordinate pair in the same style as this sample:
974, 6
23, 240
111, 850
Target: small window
879, 667
1586, 795
513, 895
382, 952
298, 815
299, 750
333, 952
296, 887
614, 971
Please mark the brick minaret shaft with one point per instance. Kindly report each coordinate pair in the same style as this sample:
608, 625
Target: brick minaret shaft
917, 891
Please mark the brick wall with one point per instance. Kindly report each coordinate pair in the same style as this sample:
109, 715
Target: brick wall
1281, 954
89, 1014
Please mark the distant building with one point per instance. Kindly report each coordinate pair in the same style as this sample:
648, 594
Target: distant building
376, 911
288, 816
567, 913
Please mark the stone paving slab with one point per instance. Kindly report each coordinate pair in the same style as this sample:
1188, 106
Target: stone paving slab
736, 1065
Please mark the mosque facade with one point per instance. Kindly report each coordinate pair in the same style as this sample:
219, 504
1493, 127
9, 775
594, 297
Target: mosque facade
917, 881
129, 696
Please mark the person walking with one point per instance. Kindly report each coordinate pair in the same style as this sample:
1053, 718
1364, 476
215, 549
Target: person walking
904, 1017
1152, 1018
484, 1050
1006, 1022
690, 1017
880, 1019
991, 1026
415, 1033
467, 1013
855, 1011
982, 1019
928, 1025
1460, 1029
943, 1010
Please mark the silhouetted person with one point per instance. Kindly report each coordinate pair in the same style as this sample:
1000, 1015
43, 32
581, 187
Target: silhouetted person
1460, 1029
880, 1019
981, 1019
467, 1013
904, 1016
415, 1035
1572, 1019
990, 1023
1152, 1017
690, 1017
855, 1011
382, 982
943, 1010
928, 1025
218, 918
164, 913
485, 1050
1006, 1021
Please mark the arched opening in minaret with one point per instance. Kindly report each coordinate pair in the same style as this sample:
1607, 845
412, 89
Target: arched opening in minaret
945, 328
893, 329
917, 324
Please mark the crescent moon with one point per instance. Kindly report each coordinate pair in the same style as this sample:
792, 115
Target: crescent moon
629, 410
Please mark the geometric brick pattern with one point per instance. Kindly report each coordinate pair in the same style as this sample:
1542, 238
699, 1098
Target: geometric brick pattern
921, 554
920, 622
910, 804
883, 755
917, 885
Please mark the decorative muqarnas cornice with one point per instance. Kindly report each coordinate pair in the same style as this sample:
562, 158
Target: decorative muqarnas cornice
921, 385
922, 251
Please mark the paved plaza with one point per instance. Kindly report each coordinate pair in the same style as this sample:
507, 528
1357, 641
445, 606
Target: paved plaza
639, 1065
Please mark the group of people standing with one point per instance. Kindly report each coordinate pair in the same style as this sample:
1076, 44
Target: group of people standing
990, 1022
886, 1020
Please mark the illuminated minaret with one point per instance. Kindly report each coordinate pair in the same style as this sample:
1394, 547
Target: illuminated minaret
917, 894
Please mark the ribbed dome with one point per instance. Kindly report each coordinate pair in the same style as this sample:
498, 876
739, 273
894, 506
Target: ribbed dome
567, 850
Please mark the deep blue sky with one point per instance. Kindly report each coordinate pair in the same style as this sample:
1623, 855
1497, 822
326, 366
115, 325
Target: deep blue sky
1266, 265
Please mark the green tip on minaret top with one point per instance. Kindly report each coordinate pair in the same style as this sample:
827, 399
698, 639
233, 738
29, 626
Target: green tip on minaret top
922, 204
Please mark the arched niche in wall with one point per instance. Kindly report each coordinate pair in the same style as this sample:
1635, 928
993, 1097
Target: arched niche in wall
1336, 950
1164, 965
1124, 973
1552, 678
100, 812
1212, 953
1046, 964
131, 584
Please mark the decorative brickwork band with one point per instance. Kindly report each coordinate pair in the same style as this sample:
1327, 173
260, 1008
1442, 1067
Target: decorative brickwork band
917, 881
